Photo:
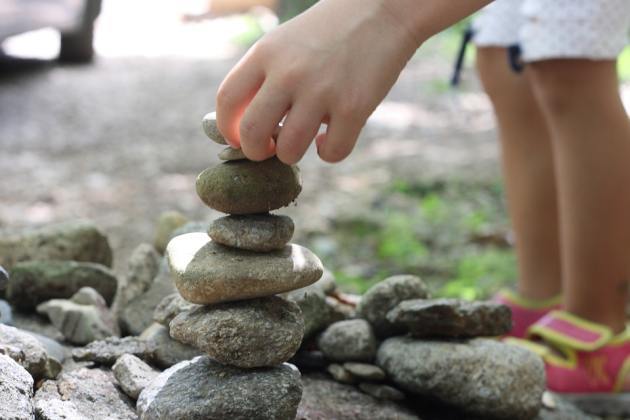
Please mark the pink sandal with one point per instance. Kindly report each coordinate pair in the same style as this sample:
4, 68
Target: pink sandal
584, 361
525, 312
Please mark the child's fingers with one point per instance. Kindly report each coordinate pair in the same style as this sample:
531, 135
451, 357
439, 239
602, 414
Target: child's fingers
235, 93
339, 140
298, 131
260, 120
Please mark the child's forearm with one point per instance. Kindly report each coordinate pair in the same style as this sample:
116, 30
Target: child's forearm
425, 18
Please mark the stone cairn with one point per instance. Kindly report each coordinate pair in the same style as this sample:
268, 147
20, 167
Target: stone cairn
232, 274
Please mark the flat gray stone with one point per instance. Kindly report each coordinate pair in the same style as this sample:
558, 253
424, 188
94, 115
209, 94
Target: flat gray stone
204, 389
246, 187
209, 124
229, 153
167, 352
137, 315
16, 391
24, 349
481, 376
348, 341
205, 272
259, 232
142, 268
107, 351
340, 374
384, 296
325, 399
133, 375
171, 306
451, 318
167, 223
365, 371
81, 319
77, 241
83, 394
382, 391
34, 282
247, 334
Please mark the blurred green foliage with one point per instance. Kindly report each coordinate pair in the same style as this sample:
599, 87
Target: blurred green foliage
452, 233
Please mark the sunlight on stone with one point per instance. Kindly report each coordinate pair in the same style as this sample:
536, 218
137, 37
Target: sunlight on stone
183, 249
299, 260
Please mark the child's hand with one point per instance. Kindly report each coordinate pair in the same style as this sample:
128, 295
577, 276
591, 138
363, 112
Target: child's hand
333, 64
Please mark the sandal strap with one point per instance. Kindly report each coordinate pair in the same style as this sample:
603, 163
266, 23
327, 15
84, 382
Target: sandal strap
564, 329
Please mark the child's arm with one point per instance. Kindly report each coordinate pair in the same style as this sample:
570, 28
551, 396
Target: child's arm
334, 64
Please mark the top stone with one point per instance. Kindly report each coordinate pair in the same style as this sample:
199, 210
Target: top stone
209, 123
246, 187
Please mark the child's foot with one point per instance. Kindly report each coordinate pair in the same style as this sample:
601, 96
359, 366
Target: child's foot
525, 312
584, 362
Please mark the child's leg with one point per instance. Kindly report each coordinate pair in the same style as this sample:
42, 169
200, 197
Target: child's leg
529, 174
591, 148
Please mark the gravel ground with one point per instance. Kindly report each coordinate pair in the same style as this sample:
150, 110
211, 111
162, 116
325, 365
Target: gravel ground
119, 141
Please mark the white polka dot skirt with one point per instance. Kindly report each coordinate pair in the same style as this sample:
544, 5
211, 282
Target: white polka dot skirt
548, 29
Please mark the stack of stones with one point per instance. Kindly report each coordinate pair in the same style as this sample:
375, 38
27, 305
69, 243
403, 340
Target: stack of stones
232, 274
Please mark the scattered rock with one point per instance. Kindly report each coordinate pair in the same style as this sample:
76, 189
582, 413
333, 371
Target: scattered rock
137, 315
317, 314
24, 349
6, 313
365, 371
52, 347
230, 153
16, 391
340, 309
81, 394
77, 241
34, 282
171, 306
384, 296
246, 187
82, 319
205, 272
340, 374
204, 389
348, 341
555, 407
381, 391
209, 124
167, 352
107, 351
324, 399
482, 376
4, 279
167, 223
142, 268
451, 318
133, 375
247, 334
258, 232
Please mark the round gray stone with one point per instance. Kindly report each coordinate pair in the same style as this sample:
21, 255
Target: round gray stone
348, 341
246, 187
451, 318
205, 272
171, 306
204, 389
261, 232
209, 124
384, 296
247, 334
24, 349
229, 153
480, 376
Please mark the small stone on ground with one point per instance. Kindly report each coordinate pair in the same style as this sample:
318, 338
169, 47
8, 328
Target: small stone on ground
133, 375
365, 371
348, 341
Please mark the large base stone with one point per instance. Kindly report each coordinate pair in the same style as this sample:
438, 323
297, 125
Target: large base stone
204, 389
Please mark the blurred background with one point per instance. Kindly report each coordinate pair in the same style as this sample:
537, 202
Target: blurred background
100, 111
